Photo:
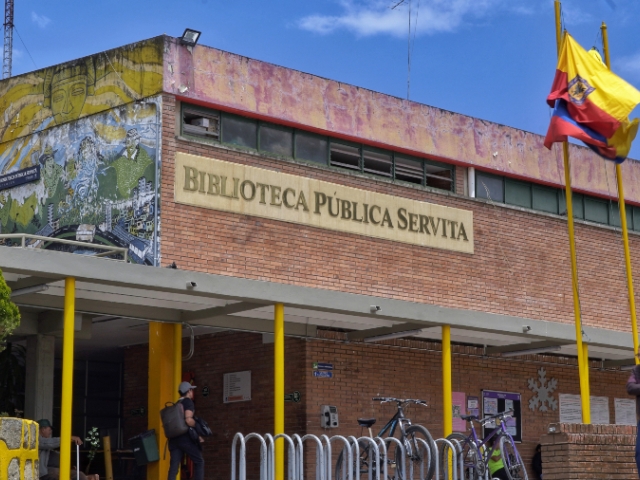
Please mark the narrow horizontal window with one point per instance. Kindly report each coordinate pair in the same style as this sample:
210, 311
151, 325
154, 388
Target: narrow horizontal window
636, 219
490, 187
614, 215
545, 199
240, 131
517, 193
345, 156
201, 124
311, 147
378, 163
409, 170
596, 210
278, 140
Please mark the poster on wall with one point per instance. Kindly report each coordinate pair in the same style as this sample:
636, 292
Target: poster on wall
236, 387
625, 411
571, 409
458, 400
494, 402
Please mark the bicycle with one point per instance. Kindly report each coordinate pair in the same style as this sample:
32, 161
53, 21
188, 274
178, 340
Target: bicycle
476, 454
408, 436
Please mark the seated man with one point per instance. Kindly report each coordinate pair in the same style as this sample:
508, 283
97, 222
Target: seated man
47, 443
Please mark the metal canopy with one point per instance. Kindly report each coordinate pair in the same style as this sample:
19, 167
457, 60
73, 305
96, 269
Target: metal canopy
127, 291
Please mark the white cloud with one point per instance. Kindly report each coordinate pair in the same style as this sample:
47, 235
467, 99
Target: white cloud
628, 67
372, 17
41, 20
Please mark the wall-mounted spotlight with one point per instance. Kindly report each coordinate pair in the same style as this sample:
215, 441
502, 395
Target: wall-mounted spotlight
190, 37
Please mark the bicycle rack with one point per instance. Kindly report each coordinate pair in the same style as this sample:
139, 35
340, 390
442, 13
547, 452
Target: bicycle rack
379, 451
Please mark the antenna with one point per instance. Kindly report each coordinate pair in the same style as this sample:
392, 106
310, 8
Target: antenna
8, 39
409, 43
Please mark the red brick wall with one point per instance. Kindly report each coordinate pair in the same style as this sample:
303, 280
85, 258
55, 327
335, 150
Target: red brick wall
589, 452
520, 266
214, 356
400, 368
461, 175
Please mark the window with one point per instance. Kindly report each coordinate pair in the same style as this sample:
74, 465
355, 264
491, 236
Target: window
239, 131
636, 218
378, 163
275, 139
544, 199
345, 156
201, 123
409, 170
614, 215
596, 210
517, 193
289, 142
311, 147
490, 187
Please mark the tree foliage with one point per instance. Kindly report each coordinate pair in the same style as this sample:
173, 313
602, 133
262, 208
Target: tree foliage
9, 313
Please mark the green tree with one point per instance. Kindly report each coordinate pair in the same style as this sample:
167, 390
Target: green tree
9, 313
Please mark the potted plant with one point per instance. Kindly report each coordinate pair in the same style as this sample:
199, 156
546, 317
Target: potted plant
93, 440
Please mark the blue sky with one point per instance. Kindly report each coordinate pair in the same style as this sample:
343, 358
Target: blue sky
492, 59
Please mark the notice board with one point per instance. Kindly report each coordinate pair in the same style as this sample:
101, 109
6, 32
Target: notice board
494, 402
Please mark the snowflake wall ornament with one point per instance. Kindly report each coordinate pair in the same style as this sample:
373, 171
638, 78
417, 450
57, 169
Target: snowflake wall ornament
543, 399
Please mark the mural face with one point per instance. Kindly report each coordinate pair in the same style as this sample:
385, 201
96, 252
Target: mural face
97, 179
53, 96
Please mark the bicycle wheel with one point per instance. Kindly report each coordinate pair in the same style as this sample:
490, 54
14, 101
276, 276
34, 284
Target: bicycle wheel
513, 463
364, 463
415, 454
473, 466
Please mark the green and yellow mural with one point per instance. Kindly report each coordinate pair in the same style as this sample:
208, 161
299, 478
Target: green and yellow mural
97, 182
52, 96
79, 151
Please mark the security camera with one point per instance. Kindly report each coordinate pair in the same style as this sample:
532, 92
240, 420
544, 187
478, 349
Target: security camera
526, 328
375, 308
192, 284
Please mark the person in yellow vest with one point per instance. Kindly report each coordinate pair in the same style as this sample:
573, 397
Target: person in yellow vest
496, 465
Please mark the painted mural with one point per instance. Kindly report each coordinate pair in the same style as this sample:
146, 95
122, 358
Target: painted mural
92, 180
50, 97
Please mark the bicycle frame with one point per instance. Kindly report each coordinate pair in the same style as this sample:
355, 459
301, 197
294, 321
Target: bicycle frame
501, 432
397, 419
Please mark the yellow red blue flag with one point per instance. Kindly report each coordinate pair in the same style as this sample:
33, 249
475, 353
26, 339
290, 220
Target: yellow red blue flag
591, 103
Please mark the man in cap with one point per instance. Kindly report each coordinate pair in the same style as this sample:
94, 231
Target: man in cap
46, 444
183, 444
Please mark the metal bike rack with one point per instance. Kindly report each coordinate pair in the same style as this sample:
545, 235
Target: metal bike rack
379, 451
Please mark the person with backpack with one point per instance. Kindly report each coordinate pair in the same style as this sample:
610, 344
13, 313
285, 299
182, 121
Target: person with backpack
183, 444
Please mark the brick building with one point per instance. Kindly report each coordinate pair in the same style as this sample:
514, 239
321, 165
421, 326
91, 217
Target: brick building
373, 219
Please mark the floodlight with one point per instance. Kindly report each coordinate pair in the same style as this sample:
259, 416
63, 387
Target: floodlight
190, 37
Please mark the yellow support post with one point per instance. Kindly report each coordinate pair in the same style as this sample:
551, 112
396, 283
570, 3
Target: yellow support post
177, 358
447, 396
108, 464
67, 376
623, 221
278, 387
583, 369
161, 389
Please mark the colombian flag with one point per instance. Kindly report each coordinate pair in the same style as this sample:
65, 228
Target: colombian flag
591, 103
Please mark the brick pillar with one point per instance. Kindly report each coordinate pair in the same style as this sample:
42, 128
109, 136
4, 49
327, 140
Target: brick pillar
589, 452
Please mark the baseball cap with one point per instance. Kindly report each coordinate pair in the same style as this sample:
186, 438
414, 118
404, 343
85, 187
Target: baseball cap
43, 423
185, 387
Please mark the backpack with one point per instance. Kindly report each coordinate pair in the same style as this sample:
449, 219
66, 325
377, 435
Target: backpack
173, 422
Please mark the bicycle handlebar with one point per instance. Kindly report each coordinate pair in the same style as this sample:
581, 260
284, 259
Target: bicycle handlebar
399, 400
502, 416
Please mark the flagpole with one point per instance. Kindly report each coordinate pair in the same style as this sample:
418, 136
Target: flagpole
582, 348
623, 219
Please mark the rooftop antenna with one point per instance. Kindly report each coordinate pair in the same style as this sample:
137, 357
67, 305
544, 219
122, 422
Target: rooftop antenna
8, 39
409, 46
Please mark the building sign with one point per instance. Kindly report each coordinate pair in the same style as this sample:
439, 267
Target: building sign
237, 387
26, 175
236, 188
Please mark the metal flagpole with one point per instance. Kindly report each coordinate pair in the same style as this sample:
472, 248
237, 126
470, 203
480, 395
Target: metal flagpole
623, 220
582, 349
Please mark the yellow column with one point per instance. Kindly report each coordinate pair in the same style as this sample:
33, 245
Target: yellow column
447, 397
278, 387
161, 389
67, 376
177, 358
623, 221
582, 366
